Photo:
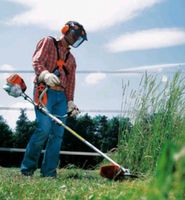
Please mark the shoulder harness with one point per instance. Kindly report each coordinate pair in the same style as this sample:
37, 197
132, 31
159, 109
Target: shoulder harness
60, 64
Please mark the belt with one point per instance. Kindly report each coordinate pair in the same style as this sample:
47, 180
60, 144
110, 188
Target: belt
57, 87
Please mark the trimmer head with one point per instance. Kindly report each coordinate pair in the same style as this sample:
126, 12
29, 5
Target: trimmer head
114, 172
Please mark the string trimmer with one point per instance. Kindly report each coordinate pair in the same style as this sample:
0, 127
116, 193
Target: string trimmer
16, 87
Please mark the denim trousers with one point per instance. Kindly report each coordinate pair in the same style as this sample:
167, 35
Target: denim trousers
47, 133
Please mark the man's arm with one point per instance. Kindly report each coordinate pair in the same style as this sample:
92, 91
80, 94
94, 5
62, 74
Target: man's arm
40, 56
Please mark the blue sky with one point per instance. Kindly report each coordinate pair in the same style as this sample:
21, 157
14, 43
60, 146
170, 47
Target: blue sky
142, 35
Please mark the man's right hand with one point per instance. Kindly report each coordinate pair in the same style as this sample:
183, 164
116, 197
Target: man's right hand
49, 78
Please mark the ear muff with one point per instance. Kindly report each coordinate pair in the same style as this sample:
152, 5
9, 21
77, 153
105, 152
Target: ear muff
65, 29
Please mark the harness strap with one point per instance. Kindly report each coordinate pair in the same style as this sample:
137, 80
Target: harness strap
60, 63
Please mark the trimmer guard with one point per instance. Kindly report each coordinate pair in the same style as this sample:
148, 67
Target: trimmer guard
114, 172
110, 171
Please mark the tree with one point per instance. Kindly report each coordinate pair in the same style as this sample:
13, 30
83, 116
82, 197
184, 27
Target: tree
101, 123
111, 140
23, 131
6, 134
68, 139
107, 132
84, 126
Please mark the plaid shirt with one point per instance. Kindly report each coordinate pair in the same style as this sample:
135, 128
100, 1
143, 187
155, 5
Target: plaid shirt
45, 57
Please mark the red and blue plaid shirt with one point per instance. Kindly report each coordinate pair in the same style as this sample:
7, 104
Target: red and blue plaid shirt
45, 58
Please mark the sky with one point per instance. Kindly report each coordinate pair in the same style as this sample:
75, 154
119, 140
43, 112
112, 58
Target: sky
123, 36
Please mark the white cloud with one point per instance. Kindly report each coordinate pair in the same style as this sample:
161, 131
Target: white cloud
11, 116
28, 3
94, 15
6, 67
148, 39
94, 78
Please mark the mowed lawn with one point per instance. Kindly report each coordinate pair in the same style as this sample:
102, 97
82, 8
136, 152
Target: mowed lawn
70, 184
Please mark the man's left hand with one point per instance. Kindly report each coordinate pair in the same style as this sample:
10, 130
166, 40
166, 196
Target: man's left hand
72, 109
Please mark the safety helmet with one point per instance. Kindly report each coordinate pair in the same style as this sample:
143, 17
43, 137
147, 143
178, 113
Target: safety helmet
76, 31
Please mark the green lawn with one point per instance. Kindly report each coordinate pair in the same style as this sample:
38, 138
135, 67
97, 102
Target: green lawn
70, 184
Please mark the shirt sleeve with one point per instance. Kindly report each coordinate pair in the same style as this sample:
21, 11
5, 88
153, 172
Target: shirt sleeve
70, 87
40, 55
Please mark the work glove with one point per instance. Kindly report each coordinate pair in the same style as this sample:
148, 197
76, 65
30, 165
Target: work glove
49, 78
72, 109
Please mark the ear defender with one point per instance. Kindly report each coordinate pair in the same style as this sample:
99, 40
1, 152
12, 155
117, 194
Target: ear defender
65, 29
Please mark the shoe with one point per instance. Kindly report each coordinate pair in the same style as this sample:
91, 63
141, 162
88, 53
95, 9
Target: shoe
27, 173
45, 176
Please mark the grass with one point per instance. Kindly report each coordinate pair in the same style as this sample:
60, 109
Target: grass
167, 183
159, 118
70, 184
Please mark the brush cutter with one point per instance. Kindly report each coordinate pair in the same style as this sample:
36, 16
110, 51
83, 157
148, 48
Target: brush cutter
16, 87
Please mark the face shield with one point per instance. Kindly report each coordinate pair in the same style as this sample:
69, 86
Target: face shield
78, 42
76, 36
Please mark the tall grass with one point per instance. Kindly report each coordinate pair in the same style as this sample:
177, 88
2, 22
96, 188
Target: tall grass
158, 118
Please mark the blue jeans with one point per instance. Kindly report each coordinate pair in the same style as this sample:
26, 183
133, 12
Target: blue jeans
46, 131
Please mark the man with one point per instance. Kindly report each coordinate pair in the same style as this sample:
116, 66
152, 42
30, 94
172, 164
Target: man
54, 67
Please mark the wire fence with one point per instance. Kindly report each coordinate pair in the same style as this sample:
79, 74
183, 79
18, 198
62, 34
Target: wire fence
80, 72
100, 71
87, 72
75, 153
82, 111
